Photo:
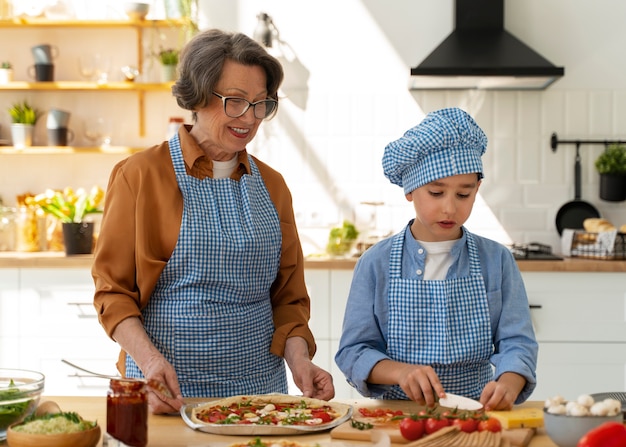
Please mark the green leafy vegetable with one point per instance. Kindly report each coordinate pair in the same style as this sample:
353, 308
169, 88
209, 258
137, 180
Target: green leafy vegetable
13, 412
361, 425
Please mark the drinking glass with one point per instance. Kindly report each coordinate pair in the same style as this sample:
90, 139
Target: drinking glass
98, 131
87, 66
102, 68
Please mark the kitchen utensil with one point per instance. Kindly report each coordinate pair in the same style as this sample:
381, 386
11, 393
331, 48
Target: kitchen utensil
573, 213
517, 437
151, 383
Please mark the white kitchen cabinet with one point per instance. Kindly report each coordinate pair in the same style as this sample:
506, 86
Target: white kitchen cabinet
328, 289
9, 304
580, 324
53, 319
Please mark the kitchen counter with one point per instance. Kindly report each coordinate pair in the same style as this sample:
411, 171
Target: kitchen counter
55, 259
173, 432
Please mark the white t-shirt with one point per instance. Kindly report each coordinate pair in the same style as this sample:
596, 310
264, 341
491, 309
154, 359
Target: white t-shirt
438, 260
223, 169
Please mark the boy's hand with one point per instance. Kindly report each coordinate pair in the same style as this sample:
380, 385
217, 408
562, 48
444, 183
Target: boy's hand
501, 395
421, 384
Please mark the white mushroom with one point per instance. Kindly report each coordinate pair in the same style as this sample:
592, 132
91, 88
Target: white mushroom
599, 409
585, 400
557, 409
614, 406
578, 410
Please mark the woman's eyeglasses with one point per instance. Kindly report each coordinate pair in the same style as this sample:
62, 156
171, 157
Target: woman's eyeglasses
235, 107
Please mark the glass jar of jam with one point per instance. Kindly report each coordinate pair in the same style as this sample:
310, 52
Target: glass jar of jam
127, 412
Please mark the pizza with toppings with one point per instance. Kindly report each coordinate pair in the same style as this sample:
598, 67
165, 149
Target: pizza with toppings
258, 442
268, 413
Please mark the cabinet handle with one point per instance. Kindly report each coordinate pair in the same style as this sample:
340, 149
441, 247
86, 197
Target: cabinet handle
81, 310
535, 306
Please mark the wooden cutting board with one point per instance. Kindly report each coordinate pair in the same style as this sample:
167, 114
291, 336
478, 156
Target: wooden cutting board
517, 437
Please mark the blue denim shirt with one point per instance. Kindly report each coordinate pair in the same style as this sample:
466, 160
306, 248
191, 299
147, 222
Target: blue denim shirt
363, 341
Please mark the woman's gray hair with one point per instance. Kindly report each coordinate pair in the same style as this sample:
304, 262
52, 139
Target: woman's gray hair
202, 60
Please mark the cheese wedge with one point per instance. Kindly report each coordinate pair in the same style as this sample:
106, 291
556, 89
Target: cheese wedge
519, 418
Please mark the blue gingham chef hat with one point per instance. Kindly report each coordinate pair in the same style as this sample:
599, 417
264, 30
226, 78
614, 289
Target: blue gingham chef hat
447, 142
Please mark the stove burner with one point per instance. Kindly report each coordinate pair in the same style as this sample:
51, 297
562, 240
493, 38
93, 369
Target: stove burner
533, 251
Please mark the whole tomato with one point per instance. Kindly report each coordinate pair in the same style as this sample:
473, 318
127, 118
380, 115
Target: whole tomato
412, 428
489, 424
434, 424
609, 434
467, 424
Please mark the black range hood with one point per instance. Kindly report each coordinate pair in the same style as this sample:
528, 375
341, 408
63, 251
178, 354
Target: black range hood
481, 54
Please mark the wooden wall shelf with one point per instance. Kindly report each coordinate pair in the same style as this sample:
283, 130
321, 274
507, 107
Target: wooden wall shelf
48, 150
139, 88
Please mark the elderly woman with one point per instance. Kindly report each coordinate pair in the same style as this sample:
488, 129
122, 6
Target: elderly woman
198, 267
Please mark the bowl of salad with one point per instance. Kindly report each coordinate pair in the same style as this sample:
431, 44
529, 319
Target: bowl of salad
20, 391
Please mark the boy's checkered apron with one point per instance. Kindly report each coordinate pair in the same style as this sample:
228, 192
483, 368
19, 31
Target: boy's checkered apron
444, 324
210, 313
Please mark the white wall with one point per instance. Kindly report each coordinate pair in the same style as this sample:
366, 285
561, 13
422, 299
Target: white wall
346, 98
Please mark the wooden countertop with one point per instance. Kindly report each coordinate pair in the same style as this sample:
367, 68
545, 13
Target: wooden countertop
56, 259
171, 431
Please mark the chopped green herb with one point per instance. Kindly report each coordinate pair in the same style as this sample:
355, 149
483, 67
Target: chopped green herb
361, 425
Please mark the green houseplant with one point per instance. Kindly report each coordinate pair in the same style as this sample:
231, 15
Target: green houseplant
611, 165
23, 113
70, 208
23, 119
169, 59
341, 239
6, 72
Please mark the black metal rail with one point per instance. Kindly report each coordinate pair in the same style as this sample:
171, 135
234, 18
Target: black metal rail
554, 142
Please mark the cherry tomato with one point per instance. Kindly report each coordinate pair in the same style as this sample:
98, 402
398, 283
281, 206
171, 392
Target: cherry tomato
412, 429
324, 416
434, 424
489, 424
468, 424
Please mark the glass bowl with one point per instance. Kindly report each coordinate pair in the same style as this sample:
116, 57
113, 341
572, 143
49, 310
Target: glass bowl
20, 391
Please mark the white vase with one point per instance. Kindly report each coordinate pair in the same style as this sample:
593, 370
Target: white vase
6, 75
168, 73
22, 135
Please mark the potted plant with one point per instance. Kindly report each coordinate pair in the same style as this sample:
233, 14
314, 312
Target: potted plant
23, 119
70, 208
611, 165
341, 239
169, 60
6, 72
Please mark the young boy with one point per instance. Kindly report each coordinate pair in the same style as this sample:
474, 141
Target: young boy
435, 308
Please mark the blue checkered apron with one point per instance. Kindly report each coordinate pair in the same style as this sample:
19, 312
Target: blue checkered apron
210, 313
444, 324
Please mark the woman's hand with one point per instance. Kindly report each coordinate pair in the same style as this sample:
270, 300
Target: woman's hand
312, 380
158, 368
131, 336
501, 395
